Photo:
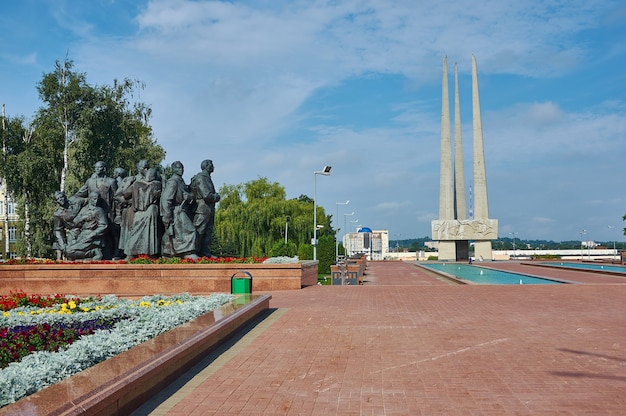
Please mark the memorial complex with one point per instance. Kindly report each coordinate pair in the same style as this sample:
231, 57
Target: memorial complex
454, 229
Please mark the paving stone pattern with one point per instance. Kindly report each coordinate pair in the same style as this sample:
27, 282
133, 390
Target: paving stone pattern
409, 343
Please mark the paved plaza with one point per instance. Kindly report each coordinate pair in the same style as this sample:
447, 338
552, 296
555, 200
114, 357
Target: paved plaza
409, 343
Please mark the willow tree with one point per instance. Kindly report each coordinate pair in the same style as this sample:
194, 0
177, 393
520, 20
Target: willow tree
252, 216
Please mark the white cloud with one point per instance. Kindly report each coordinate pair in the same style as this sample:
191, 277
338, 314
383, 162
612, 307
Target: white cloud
228, 81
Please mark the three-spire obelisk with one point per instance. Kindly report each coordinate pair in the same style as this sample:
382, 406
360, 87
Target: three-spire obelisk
453, 229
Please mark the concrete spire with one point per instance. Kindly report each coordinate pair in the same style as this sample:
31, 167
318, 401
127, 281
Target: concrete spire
446, 196
481, 204
459, 176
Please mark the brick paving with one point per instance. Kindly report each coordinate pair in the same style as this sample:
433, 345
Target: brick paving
409, 343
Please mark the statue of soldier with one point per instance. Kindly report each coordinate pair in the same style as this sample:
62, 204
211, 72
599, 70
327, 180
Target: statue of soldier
203, 190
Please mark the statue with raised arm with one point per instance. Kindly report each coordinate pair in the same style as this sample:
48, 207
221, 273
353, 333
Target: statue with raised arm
202, 188
179, 239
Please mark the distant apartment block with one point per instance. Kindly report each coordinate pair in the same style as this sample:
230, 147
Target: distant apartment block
373, 243
9, 220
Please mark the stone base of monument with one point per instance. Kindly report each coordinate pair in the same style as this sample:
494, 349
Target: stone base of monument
146, 279
122, 383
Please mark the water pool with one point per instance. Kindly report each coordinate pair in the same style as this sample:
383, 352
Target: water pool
485, 276
587, 266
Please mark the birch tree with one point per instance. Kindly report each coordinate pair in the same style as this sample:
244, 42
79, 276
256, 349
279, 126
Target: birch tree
65, 94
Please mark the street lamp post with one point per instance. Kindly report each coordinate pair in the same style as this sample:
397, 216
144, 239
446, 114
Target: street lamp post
583, 232
513, 234
614, 251
325, 172
337, 228
345, 231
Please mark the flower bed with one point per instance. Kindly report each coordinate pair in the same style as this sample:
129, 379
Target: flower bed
144, 259
127, 324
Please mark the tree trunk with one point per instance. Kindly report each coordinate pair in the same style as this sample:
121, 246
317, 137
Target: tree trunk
27, 236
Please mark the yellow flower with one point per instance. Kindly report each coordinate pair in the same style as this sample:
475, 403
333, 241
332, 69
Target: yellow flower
6, 314
72, 304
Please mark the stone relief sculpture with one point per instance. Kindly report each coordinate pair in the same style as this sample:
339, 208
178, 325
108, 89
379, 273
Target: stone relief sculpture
477, 229
202, 188
127, 216
179, 239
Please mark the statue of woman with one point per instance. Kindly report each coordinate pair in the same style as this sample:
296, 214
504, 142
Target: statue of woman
143, 195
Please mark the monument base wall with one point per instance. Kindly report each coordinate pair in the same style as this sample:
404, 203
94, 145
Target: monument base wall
447, 250
145, 279
483, 250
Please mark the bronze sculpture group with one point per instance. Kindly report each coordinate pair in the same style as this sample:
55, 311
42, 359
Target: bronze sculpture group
127, 216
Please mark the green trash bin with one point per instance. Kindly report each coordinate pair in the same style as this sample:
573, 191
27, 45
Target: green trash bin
241, 285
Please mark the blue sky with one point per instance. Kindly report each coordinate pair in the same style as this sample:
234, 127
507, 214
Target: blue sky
279, 89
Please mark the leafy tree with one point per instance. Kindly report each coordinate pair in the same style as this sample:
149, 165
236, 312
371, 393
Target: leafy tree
281, 248
252, 217
66, 95
305, 252
116, 131
78, 125
26, 165
85, 124
325, 253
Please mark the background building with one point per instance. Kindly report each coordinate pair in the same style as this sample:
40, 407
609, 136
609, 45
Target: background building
8, 224
374, 243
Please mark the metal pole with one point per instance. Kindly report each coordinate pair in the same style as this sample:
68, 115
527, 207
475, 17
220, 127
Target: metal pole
337, 228
345, 232
6, 193
314, 215
582, 253
613, 257
324, 172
